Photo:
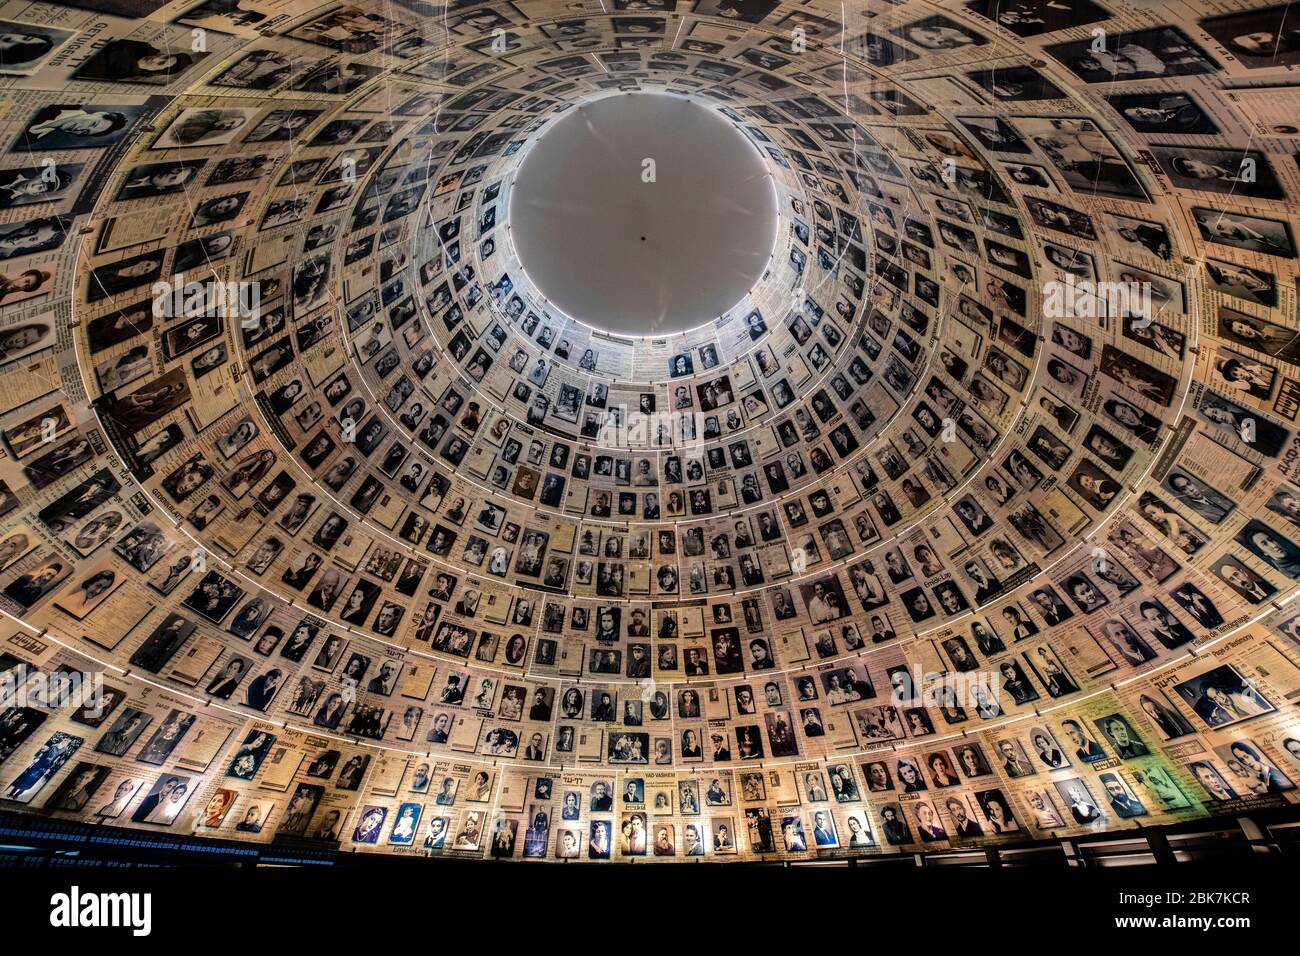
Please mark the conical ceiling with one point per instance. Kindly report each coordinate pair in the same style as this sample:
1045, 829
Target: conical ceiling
369, 468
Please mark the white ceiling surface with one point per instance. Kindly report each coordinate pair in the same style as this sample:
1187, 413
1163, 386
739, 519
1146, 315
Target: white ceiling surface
579, 208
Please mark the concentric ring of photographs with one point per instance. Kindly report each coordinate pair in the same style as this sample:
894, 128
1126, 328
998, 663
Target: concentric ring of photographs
974, 520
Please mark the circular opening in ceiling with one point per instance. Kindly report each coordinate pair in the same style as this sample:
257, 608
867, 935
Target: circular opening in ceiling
643, 214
